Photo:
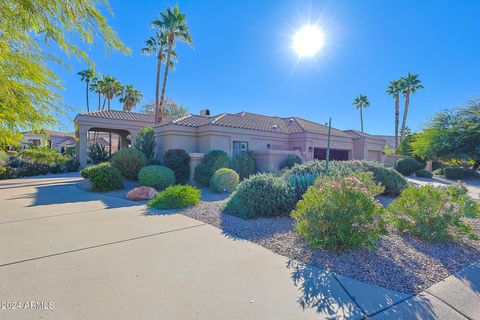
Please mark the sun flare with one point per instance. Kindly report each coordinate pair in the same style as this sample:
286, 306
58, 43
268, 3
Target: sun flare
308, 41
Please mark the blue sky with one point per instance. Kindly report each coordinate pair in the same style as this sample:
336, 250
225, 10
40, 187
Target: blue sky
243, 61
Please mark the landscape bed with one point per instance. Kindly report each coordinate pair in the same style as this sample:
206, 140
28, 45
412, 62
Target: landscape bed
398, 262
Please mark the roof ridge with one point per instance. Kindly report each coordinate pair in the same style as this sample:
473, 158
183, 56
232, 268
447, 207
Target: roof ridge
181, 118
218, 117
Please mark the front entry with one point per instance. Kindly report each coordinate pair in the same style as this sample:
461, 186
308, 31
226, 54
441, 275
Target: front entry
335, 154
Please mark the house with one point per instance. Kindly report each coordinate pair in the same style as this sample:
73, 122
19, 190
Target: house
271, 138
52, 139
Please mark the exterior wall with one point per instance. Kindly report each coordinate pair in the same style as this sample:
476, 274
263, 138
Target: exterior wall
175, 137
270, 160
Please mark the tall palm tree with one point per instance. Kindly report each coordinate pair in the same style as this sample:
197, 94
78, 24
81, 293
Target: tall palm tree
411, 83
395, 89
361, 102
130, 97
85, 76
158, 45
174, 24
109, 87
94, 87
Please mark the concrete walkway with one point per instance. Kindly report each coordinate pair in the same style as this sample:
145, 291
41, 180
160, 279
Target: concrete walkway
70, 254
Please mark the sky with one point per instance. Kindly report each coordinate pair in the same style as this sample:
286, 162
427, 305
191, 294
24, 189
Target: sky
243, 60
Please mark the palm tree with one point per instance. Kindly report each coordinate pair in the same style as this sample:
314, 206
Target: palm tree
109, 87
411, 83
94, 87
158, 45
85, 76
130, 97
361, 102
174, 24
394, 89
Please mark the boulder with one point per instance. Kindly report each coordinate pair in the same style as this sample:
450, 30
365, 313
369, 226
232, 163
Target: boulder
141, 193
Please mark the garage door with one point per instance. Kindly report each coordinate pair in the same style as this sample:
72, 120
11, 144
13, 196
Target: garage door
335, 154
374, 155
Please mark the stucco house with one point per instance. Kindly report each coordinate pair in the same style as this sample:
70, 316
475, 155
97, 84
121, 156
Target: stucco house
271, 138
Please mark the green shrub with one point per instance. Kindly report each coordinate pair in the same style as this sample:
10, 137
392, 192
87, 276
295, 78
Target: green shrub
299, 183
179, 161
129, 161
6, 173
471, 173
56, 168
154, 162
439, 172
340, 213
290, 161
431, 213
454, 173
213, 161
72, 165
261, 195
15, 162
88, 171
106, 178
145, 142
3, 158
175, 197
224, 180
96, 153
422, 173
407, 166
42, 155
459, 193
28, 169
244, 164
387, 176
158, 177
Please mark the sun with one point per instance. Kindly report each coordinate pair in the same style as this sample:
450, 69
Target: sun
308, 41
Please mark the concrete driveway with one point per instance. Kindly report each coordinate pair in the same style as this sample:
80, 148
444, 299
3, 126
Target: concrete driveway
70, 254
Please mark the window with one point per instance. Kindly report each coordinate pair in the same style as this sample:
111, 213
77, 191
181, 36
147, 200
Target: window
239, 146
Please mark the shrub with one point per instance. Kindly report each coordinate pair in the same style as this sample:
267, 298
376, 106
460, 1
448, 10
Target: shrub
439, 172
179, 161
158, 177
88, 171
56, 168
224, 180
154, 162
387, 176
213, 161
175, 197
6, 173
471, 173
244, 164
28, 169
15, 162
129, 161
454, 173
340, 213
290, 161
96, 153
261, 195
422, 173
459, 193
407, 166
145, 142
431, 213
3, 158
42, 155
72, 165
106, 178
299, 183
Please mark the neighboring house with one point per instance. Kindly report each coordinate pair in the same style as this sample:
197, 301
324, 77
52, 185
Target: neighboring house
270, 138
52, 139
389, 140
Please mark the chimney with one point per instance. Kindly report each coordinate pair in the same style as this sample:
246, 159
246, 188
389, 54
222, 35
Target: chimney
205, 112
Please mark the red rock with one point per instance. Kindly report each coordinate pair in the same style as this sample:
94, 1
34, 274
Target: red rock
141, 193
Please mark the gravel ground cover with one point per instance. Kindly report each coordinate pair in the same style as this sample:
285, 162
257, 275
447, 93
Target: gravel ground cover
399, 262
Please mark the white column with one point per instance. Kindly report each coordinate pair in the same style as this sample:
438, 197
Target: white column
133, 137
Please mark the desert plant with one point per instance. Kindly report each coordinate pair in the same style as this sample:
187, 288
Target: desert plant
129, 161
431, 213
454, 173
106, 178
299, 183
422, 173
179, 161
244, 164
407, 166
175, 197
261, 195
158, 177
213, 161
224, 180
145, 142
88, 171
290, 161
340, 213
96, 153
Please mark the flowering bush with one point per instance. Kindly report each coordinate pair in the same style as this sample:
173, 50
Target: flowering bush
341, 213
434, 213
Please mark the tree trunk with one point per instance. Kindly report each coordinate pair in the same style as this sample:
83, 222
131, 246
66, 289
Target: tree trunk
99, 98
109, 137
397, 118
165, 77
405, 113
86, 93
158, 117
361, 119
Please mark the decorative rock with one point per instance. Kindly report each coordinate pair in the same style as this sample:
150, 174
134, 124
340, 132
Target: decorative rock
141, 193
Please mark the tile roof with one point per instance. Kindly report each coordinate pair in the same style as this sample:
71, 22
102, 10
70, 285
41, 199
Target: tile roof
50, 133
241, 120
358, 134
